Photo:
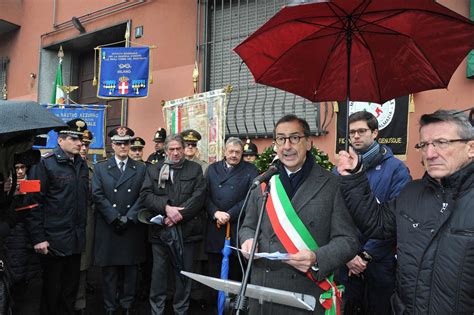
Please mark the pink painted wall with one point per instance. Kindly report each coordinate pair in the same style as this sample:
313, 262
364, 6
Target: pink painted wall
10, 11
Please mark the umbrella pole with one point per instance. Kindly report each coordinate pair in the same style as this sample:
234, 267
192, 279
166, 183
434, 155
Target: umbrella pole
349, 48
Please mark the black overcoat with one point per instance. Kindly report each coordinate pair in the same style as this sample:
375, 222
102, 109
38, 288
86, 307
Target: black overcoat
115, 193
226, 192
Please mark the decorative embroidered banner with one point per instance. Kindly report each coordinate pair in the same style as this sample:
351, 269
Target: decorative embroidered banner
393, 122
123, 72
204, 113
93, 115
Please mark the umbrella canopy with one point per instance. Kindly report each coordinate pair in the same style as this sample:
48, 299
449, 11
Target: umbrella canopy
360, 49
27, 118
20, 121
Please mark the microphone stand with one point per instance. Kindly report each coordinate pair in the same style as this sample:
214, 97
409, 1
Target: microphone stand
241, 303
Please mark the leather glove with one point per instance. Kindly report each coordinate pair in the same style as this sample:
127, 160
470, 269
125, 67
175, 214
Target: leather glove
120, 224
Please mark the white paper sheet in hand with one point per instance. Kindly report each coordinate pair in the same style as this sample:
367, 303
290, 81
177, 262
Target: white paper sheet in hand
271, 256
157, 219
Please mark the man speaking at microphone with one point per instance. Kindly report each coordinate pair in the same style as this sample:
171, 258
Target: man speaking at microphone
306, 217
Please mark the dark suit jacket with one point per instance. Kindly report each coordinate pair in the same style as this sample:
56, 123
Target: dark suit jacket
226, 192
320, 206
117, 193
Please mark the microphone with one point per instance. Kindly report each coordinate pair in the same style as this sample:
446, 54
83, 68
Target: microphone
265, 177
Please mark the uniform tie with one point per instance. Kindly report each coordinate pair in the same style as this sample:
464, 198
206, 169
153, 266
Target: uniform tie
121, 166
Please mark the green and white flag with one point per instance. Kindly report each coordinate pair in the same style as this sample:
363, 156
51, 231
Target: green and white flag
57, 96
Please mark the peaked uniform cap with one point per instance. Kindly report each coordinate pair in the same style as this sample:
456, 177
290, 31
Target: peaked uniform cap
121, 133
190, 135
160, 135
75, 128
137, 142
88, 136
250, 148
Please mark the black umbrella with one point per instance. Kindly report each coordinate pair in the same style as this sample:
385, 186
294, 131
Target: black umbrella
20, 121
171, 236
25, 118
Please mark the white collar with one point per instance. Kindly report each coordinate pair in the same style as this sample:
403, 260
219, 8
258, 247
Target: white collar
118, 161
288, 172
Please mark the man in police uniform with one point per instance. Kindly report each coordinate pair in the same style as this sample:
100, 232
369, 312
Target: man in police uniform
120, 239
86, 142
86, 256
159, 154
136, 149
250, 152
57, 224
191, 138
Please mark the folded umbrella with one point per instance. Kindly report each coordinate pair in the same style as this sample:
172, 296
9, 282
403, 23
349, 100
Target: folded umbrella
226, 251
172, 238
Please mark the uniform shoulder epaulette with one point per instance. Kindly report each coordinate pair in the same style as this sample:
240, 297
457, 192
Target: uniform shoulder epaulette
101, 161
47, 155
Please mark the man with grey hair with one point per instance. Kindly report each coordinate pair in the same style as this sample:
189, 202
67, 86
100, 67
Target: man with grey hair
174, 188
228, 182
432, 218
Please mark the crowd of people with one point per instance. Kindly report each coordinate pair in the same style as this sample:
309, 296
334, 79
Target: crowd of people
396, 245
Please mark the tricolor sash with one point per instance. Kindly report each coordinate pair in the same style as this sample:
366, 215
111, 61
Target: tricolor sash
295, 237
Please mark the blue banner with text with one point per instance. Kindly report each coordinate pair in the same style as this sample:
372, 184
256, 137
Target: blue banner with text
93, 115
123, 72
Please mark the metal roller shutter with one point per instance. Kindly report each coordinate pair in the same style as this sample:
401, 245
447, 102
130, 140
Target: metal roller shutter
253, 108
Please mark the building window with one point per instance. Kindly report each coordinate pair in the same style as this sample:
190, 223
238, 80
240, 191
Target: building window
3, 77
253, 108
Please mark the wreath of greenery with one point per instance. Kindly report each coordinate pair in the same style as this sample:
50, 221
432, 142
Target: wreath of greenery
267, 156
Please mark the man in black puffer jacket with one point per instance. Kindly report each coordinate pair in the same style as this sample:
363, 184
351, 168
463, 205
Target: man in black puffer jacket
432, 218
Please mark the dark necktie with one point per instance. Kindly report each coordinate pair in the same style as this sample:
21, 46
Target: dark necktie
121, 166
292, 177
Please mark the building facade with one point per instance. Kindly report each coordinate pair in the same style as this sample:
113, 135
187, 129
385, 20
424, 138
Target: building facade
185, 33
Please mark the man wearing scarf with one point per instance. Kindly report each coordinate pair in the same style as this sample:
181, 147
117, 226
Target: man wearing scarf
317, 232
174, 188
369, 278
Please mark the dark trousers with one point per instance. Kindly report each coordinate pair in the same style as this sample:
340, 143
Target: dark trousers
370, 292
120, 284
159, 280
60, 282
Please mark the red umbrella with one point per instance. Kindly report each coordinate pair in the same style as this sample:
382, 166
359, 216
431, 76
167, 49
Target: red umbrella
358, 49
